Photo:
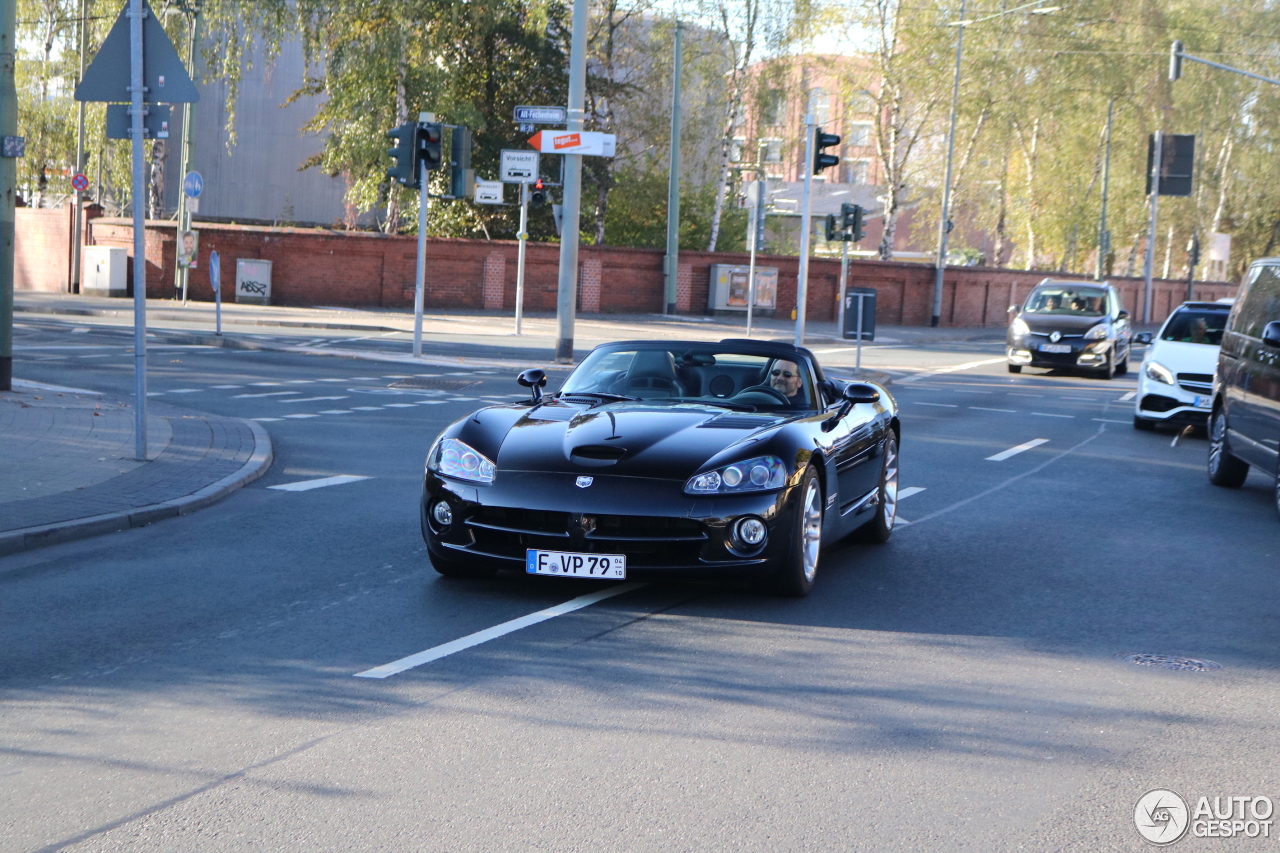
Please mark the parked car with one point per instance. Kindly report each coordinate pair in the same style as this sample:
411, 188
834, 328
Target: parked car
1244, 421
1175, 384
735, 459
1070, 324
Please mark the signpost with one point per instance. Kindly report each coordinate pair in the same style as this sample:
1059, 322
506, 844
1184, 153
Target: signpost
138, 65
215, 281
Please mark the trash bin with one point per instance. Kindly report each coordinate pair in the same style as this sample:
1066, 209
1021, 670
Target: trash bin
853, 298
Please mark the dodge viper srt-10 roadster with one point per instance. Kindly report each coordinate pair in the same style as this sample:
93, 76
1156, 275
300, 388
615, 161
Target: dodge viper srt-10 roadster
669, 460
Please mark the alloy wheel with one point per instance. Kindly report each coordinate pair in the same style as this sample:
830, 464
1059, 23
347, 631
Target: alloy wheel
811, 530
890, 495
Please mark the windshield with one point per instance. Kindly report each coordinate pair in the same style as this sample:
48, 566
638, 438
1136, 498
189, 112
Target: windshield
1067, 299
1195, 327
706, 374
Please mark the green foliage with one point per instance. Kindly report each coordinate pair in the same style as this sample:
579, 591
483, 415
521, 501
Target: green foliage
638, 215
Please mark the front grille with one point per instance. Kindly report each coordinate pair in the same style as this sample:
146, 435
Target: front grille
647, 541
1158, 403
1063, 337
1196, 382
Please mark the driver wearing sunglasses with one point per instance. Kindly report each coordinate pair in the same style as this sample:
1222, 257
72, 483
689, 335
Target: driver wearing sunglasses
785, 377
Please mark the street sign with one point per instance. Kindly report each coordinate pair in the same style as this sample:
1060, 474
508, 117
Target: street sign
193, 184
155, 122
79, 182
164, 77
588, 142
527, 128
489, 192
518, 167
13, 146
215, 271
541, 115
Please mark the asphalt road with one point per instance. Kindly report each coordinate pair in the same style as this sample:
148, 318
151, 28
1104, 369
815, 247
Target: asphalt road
190, 685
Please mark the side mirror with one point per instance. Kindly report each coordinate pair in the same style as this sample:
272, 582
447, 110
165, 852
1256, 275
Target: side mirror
533, 379
1143, 338
1123, 315
1271, 334
1012, 308
860, 392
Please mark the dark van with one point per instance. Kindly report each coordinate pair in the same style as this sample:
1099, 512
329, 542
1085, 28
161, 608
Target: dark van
1244, 425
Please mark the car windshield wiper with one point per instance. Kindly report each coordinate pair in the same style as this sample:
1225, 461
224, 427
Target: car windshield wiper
602, 396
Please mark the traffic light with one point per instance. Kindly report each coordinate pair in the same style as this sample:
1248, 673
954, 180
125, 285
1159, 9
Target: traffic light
538, 195
851, 216
1175, 60
462, 179
430, 142
405, 153
824, 140
834, 231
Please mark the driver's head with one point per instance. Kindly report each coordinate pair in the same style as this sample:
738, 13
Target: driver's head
785, 377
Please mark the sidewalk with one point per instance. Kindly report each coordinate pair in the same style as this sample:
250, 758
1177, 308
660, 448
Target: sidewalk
69, 468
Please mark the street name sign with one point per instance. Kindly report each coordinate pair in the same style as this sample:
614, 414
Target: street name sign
588, 142
541, 115
155, 122
517, 166
489, 192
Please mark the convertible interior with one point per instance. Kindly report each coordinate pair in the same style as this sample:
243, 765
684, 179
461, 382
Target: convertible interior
652, 374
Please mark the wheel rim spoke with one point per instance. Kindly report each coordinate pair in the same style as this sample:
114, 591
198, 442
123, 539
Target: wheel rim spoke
890, 496
811, 531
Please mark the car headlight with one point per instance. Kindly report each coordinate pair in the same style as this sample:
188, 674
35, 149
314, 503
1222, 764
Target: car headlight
1018, 328
750, 475
1158, 372
461, 461
1100, 332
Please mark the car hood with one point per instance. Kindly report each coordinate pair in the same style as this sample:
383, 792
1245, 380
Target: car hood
1182, 357
1064, 323
670, 441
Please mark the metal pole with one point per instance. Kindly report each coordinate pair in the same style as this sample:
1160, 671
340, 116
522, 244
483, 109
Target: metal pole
420, 273
523, 237
1104, 239
567, 292
77, 226
944, 227
802, 278
1158, 155
858, 363
671, 262
752, 228
8, 188
184, 208
139, 234
844, 277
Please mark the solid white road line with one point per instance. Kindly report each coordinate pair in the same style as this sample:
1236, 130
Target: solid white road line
186, 390
953, 369
267, 394
400, 405
335, 411
41, 386
264, 383
265, 420
298, 381
225, 387
367, 408
308, 485
986, 409
1127, 397
311, 399
302, 416
940, 405
1110, 421
1014, 451
1050, 415
462, 643
909, 491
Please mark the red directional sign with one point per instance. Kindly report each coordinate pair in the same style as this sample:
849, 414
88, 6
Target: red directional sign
79, 183
574, 142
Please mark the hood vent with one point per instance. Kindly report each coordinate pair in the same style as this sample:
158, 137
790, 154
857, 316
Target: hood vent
595, 455
734, 422
552, 413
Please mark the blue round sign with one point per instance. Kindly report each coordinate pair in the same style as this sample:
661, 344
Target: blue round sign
193, 184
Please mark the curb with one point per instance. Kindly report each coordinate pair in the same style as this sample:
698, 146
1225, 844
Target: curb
28, 538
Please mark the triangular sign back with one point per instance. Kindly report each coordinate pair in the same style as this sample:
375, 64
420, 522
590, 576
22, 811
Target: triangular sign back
107, 77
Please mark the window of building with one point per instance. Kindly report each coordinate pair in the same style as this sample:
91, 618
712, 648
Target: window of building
862, 103
820, 105
773, 107
857, 171
737, 147
772, 150
860, 134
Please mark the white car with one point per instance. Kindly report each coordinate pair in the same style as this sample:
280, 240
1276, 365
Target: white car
1175, 384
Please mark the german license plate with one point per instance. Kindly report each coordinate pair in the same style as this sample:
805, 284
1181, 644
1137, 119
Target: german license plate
1055, 348
568, 564
1202, 401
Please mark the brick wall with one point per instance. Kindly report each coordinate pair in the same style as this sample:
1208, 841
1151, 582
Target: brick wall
322, 267
42, 249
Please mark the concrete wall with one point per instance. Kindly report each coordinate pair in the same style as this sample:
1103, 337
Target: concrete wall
360, 269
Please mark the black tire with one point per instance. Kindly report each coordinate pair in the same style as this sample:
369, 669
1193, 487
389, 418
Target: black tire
1144, 424
796, 576
880, 528
452, 569
1278, 492
1015, 368
1122, 366
1224, 469
1109, 372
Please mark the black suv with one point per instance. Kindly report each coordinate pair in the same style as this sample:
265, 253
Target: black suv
1244, 424
1077, 325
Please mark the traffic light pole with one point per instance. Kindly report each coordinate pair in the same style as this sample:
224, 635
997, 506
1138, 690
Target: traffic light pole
523, 237
420, 273
8, 185
567, 290
802, 277
136, 12
844, 277
1156, 160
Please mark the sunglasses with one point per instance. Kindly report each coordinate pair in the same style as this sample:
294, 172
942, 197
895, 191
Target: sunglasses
787, 374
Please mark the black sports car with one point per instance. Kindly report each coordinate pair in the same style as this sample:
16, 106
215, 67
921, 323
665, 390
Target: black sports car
666, 459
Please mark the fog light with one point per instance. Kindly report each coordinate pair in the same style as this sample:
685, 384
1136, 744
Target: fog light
442, 513
749, 532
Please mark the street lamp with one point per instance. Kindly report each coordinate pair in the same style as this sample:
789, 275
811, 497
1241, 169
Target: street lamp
944, 226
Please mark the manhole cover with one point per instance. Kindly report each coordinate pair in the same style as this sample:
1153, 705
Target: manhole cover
434, 384
1172, 662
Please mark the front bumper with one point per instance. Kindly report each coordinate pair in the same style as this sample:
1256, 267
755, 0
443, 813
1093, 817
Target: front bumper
1170, 404
1091, 355
660, 530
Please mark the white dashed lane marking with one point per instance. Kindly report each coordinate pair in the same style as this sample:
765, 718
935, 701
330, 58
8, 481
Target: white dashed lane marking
366, 408
909, 491
1127, 397
225, 387
400, 405
939, 405
308, 485
1051, 415
310, 399
302, 416
266, 394
987, 409
335, 412
1014, 451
